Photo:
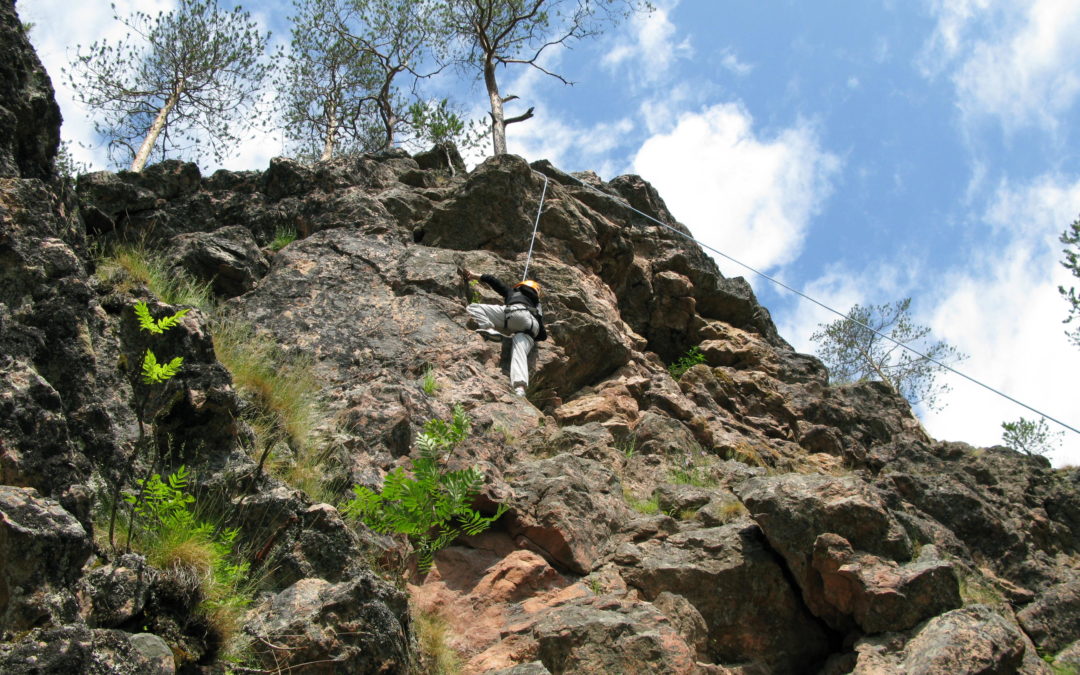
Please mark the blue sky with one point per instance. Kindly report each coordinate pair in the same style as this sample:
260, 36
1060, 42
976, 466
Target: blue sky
860, 151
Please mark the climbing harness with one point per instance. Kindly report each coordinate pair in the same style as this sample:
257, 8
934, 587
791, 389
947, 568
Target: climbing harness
802, 295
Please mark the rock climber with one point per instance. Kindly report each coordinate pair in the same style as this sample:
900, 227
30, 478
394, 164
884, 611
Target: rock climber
520, 318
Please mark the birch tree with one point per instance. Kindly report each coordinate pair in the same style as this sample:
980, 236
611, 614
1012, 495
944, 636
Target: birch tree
855, 349
182, 80
493, 33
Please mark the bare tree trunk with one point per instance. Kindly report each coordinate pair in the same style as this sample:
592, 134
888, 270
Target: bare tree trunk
155, 130
331, 137
498, 118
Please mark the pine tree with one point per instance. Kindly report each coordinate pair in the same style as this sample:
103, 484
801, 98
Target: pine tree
183, 80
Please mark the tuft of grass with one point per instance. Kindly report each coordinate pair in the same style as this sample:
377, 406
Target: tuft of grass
627, 446
732, 509
430, 383
696, 476
170, 529
283, 236
646, 506
127, 266
437, 657
284, 393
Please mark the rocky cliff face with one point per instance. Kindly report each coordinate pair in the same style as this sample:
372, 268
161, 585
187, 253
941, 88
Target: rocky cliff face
748, 517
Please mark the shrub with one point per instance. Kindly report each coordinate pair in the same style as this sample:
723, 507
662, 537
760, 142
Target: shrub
433, 507
692, 357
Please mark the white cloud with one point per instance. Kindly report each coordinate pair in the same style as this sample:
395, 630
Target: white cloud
653, 46
568, 145
1006, 313
1013, 60
749, 196
732, 63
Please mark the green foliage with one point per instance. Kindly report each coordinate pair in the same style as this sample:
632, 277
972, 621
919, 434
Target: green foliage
436, 123
171, 536
283, 236
156, 373
433, 506
1071, 239
152, 371
342, 81
854, 350
156, 326
285, 410
430, 384
692, 358
127, 266
67, 167
188, 76
474, 291
1030, 437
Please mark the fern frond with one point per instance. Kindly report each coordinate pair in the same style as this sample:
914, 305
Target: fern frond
146, 322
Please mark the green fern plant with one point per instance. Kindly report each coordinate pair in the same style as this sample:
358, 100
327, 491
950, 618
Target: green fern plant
154, 372
692, 357
433, 506
173, 538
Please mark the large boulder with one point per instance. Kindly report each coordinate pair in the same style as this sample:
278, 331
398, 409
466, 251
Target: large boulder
314, 626
42, 550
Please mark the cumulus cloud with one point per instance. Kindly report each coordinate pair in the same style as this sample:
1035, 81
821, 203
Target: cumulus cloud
1013, 60
1004, 310
739, 191
652, 46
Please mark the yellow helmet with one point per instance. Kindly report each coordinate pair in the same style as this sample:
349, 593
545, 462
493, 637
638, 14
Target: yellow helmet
531, 284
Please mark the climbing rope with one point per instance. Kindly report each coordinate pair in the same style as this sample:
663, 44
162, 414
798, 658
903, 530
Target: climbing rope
804, 296
536, 225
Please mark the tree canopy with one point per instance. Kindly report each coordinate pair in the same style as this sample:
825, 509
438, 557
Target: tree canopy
1071, 239
486, 34
182, 80
864, 346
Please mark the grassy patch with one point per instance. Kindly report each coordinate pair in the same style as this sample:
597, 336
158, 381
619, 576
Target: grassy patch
197, 552
437, 657
283, 236
646, 506
430, 384
286, 409
693, 475
127, 266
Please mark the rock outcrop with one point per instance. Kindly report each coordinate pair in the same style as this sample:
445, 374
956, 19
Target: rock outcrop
747, 517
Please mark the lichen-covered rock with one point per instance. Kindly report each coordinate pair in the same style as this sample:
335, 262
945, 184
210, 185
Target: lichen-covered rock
228, 259
314, 626
42, 550
78, 649
605, 635
550, 497
115, 593
29, 116
970, 640
732, 578
1053, 620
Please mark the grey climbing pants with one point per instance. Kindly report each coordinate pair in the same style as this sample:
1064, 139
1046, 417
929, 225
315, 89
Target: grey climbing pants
520, 324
